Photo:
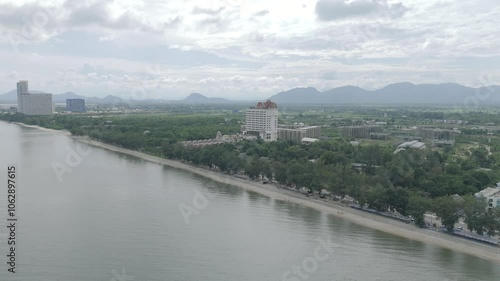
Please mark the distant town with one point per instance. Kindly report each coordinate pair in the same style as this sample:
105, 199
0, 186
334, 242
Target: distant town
250, 140
33, 104
436, 167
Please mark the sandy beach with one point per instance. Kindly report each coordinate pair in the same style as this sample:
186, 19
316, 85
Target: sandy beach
66, 133
359, 217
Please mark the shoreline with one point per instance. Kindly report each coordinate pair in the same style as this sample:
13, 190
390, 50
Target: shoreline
66, 133
365, 219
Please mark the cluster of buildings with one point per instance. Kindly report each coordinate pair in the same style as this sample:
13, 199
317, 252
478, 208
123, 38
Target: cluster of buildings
453, 121
414, 137
262, 121
298, 132
42, 103
361, 132
421, 133
432, 133
33, 104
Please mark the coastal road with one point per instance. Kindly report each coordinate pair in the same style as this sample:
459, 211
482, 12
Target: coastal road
432, 218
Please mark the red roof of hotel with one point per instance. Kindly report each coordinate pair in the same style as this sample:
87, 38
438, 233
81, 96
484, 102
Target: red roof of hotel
266, 105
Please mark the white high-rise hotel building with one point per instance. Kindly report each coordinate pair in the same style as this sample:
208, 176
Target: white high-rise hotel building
33, 104
262, 120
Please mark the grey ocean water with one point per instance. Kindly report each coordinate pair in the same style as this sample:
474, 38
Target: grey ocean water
115, 217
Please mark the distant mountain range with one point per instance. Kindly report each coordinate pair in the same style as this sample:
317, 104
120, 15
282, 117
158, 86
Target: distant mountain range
12, 96
199, 98
393, 94
61, 98
399, 93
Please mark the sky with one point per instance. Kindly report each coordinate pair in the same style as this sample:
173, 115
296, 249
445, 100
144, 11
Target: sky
244, 49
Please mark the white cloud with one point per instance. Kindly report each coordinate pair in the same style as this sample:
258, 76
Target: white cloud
241, 48
329, 10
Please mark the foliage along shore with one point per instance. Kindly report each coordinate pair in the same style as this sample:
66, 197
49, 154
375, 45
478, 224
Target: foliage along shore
411, 183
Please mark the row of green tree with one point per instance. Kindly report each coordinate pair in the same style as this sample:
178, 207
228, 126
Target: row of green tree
135, 131
411, 182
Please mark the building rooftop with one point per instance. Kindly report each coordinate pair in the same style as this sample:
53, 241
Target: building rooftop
266, 105
489, 192
308, 127
410, 144
310, 140
450, 142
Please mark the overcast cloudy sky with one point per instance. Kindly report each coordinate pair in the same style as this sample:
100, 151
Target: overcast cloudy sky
244, 49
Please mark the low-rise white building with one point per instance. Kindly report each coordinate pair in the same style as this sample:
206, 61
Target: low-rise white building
492, 196
298, 132
410, 145
309, 140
